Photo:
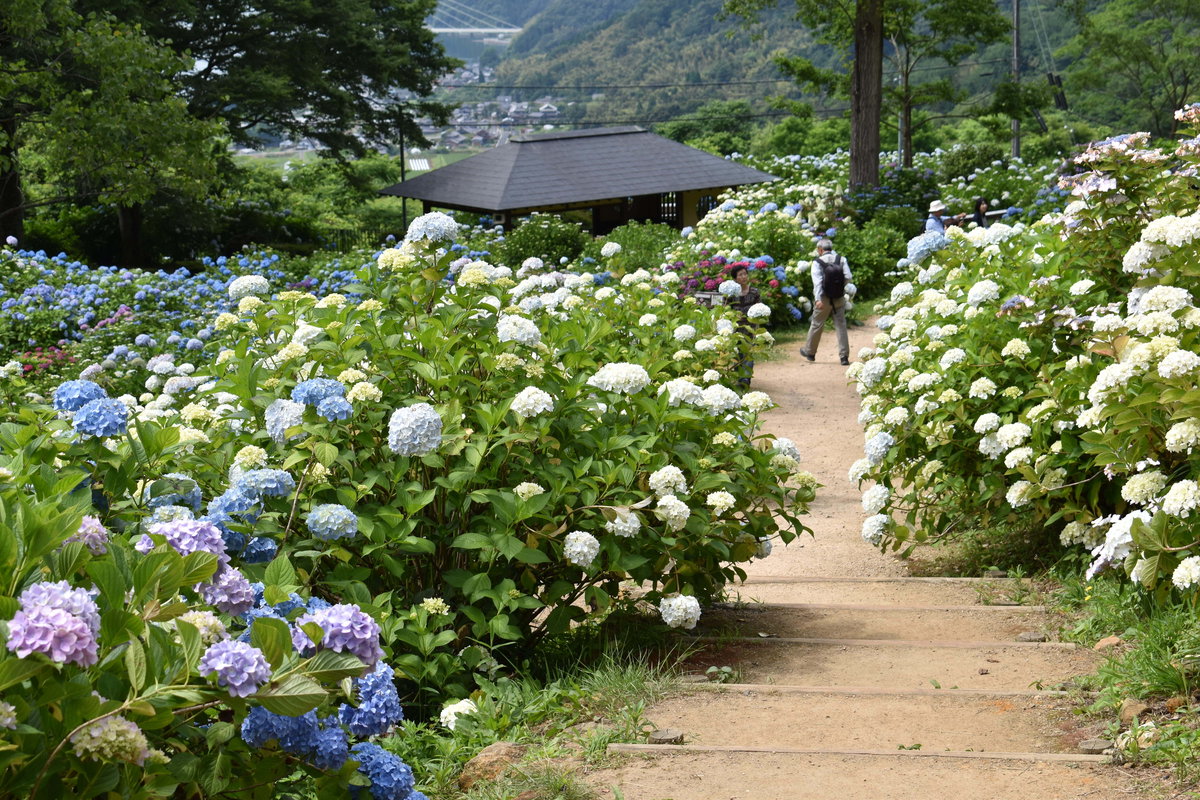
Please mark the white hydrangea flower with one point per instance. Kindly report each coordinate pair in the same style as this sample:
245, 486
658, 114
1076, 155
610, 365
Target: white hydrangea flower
433, 227
1187, 574
859, 470
248, 285
987, 423
1144, 488
646, 320
757, 402
684, 333
982, 389
620, 376
758, 311
990, 446
610, 249
526, 490
875, 499
250, 457
672, 511
532, 401
515, 328
718, 399
982, 292
951, 357
668, 480
1019, 456
1020, 494
1016, 348
1118, 541
873, 529
877, 447
625, 523
681, 611
1181, 499
1183, 436
1013, 434
581, 548
681, 391
711, 376
1110, 379
1179, 364
720, 502
453, 711
1081, 287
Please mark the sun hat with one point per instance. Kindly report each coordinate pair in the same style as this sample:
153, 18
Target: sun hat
937, 205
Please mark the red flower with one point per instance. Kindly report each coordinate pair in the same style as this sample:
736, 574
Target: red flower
774, 284
711, 284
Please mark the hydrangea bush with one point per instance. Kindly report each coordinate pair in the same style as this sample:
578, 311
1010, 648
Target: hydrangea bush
1046, 375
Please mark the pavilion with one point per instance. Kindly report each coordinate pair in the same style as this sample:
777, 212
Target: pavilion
618, 174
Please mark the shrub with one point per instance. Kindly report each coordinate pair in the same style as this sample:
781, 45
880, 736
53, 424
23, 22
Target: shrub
872, 251
544, 236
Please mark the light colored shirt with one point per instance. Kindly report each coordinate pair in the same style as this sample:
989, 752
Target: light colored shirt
818, 274
935, 224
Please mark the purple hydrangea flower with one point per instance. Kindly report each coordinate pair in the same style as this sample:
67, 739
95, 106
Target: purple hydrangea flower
378, 704
103, 417
93, 535
76, 602
187, 536
229, 591
63, 637
241, 668
347, 629
70, 396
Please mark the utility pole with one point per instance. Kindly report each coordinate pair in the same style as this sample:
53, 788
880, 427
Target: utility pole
403, 178
1016, 73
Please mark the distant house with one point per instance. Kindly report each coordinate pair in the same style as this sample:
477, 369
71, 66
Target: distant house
618, 174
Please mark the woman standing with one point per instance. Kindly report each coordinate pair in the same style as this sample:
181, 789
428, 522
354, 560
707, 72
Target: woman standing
742, 302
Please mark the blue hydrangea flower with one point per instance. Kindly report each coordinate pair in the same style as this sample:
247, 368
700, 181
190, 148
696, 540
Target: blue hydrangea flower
925, 245
378, 704
281, 415
295, 735
415, 430
260, 550
312, 392
391, 778
335, 409
331, 521
104, 417
268, 482
330, 748
70, 396
241, 668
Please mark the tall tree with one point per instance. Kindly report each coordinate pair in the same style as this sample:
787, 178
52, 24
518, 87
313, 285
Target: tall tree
856, 29
350, 74
924, 33
1136, 61
94, 99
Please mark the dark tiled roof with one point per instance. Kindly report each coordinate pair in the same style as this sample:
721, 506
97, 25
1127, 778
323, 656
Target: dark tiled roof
574, 167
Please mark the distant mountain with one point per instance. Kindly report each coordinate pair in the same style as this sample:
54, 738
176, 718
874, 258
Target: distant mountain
603, 43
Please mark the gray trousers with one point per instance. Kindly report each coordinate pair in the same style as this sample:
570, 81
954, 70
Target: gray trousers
838, 309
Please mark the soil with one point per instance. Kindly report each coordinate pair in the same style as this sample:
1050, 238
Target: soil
865, 682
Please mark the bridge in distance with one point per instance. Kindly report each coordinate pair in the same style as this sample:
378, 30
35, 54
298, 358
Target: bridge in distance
455, 16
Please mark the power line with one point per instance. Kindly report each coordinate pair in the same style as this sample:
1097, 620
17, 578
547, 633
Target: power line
757, 82
770, 114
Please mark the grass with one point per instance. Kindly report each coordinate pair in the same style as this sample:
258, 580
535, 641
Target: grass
566, 720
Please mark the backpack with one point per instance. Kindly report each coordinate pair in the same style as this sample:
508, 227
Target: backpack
833, 279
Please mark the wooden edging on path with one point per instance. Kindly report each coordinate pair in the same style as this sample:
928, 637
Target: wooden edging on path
859, 579
877, 608
875, 691
682, 749
949, 643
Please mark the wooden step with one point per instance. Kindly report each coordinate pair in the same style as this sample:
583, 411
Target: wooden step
690, 775
850, 721
835, 620
898, 664
875, 591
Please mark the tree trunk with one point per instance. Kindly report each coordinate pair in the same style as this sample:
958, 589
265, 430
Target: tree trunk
12, 198
866, 93
906, 108
129, 219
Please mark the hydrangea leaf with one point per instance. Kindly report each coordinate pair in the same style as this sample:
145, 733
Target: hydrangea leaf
293, 696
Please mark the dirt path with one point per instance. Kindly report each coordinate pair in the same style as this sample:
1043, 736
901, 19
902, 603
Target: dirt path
853, 680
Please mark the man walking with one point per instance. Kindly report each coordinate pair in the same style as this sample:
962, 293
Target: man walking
830, 274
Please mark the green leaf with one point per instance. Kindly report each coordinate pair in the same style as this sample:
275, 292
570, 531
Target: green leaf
295, 695
135, 664
328, 666
471, 541
280, 572
16, 670
219, 733
325, 452
272, 636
